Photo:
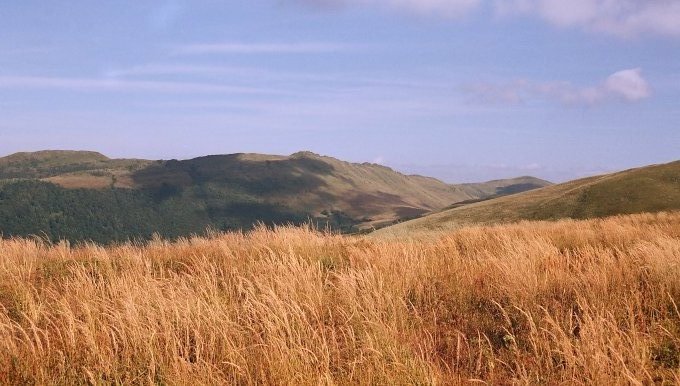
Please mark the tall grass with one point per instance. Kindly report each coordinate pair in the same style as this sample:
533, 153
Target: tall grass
585, 302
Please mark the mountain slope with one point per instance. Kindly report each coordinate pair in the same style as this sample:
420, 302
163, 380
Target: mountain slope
53, 163
220, 191
648, 189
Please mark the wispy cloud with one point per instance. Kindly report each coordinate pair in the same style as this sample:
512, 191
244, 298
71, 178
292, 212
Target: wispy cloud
153, 70
258, 48
626, 18
628, 85
447, 8
335, 79
174, 69
19, 51
116, 85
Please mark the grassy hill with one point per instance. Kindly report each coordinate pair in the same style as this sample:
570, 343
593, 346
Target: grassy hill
86, 195
648, 189
88, 166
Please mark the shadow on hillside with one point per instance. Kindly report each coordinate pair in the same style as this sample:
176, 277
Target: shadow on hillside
255, 177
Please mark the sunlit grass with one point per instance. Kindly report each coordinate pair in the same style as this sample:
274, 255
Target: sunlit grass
589, 302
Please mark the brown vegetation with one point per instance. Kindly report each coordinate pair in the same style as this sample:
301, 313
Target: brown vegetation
586, 302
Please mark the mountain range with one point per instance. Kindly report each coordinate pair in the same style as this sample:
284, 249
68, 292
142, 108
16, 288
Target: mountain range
84, 195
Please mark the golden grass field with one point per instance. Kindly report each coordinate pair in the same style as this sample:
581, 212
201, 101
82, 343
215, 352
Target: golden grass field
568, 302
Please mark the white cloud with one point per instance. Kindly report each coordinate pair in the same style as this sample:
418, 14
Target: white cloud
447, 8
625, 18
258, 48
628, 85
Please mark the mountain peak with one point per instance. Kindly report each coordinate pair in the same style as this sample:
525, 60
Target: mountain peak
305, 154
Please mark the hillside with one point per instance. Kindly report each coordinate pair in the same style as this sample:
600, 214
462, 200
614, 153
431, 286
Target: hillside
67, 165
648, 189
86, 195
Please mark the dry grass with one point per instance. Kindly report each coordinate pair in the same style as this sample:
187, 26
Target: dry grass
578, 302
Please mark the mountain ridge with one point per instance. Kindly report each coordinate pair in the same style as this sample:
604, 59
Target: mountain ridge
221, 191
651, 188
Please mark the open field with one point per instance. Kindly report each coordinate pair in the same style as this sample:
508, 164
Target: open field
585, 302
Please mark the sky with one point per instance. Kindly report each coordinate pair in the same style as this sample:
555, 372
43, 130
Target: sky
462, 90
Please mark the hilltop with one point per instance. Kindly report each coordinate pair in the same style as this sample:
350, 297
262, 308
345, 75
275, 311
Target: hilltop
66, 166
652, 188
86, 195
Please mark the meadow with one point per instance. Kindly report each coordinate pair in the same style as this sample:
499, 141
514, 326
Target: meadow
576, 302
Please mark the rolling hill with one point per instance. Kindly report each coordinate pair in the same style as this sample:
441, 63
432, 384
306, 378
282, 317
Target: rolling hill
88, 196
653, 188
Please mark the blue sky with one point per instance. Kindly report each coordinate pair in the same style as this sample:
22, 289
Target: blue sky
463, 90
